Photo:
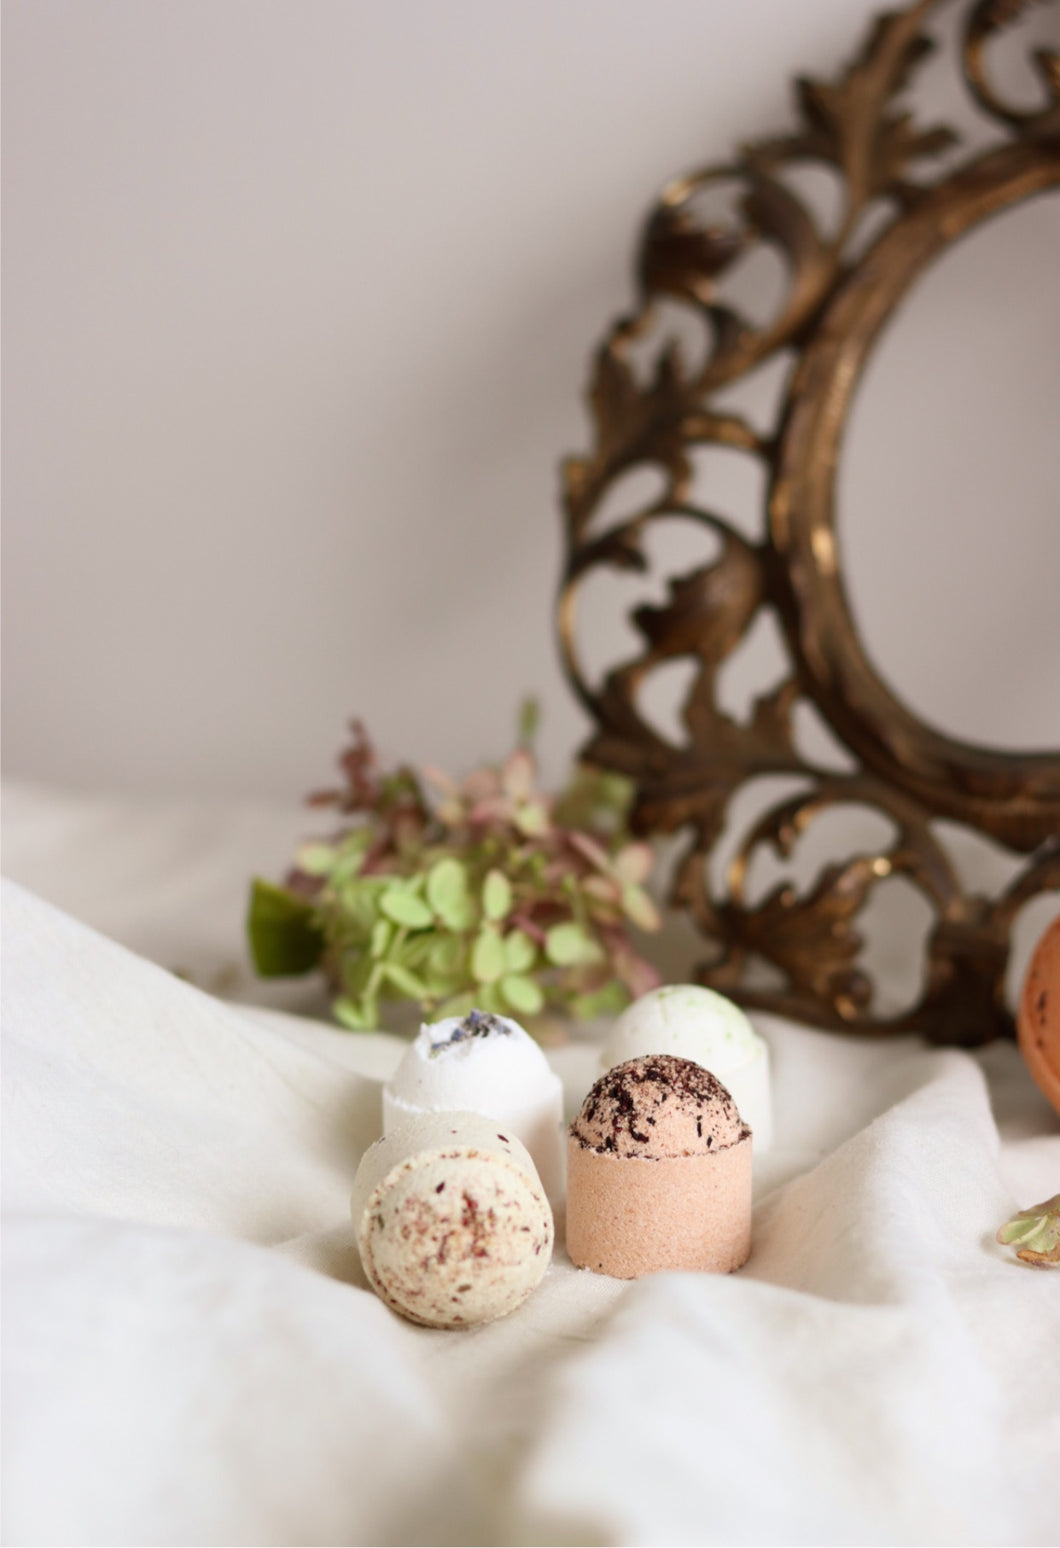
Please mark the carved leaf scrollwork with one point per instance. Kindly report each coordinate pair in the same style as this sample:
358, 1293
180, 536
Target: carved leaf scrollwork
859, 127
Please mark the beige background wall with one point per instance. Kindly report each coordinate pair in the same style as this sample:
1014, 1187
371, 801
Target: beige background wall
299, 299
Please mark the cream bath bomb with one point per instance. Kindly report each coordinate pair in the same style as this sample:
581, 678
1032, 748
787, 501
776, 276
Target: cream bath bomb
453, 1226
481, 1063
658, 1172
697, 1023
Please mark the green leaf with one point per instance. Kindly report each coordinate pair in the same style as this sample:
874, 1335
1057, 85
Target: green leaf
446, 885
315, 859
414, 950
522, 994
356, 970
382, 935
404, 982
437, 989
568, 945
459, 1005
283, 933
1020, 1230
1035, 1233
359, 902
404, 908
350, 855
445, 956
448, 894
532, 820
638, 906
375, 980
496, 895
613, 997
356, 1018
489, 999
529, 719
461, 918
487, 956
520, 951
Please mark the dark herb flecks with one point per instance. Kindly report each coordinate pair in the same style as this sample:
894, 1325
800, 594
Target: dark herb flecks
630, 1100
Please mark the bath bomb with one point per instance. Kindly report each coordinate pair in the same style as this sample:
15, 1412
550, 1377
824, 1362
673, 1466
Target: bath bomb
658, 1172
697, 1023
453, 1226
481, 1063
1038, 1018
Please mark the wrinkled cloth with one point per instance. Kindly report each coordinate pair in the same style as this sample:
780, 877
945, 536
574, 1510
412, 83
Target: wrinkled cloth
192, 1355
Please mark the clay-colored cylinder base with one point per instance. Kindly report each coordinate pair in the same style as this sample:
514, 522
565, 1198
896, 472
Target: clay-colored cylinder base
627, 1216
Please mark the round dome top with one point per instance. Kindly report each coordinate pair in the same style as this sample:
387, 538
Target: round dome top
476, 1062
657, 1107
688, 1021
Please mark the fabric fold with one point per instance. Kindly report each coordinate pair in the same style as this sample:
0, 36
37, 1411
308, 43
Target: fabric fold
172, 1387
191, 1354
129, 1093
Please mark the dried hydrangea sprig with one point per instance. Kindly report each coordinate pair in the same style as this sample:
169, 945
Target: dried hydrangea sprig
1035, 1233
483, 892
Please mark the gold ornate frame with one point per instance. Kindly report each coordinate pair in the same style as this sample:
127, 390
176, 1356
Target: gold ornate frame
837, 301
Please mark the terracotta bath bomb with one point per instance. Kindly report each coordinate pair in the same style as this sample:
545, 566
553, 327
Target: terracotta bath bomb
658, 1172
1038, 1022
453, 1226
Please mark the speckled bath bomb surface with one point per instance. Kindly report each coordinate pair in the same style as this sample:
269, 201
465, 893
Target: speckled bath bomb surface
453, 1226
658, 1172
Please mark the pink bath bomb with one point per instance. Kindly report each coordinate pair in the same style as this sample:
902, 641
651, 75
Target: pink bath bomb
658, 1172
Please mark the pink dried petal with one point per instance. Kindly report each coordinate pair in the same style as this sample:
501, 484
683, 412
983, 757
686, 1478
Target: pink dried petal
481, 785
634, 862
588, 847
534, 931
374, 857
495, 808
439, 779
603, 888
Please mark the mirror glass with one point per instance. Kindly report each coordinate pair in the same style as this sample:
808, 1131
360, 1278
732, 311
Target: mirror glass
948, 490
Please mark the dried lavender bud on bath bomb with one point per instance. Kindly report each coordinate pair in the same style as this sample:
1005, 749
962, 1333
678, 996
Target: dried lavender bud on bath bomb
658, 1172
452, 1222
482, 1063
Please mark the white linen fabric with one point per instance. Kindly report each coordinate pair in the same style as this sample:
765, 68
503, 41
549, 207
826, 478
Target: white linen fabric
192, 1355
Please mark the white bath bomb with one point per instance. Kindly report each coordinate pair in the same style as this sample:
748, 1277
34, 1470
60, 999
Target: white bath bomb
482, 1063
